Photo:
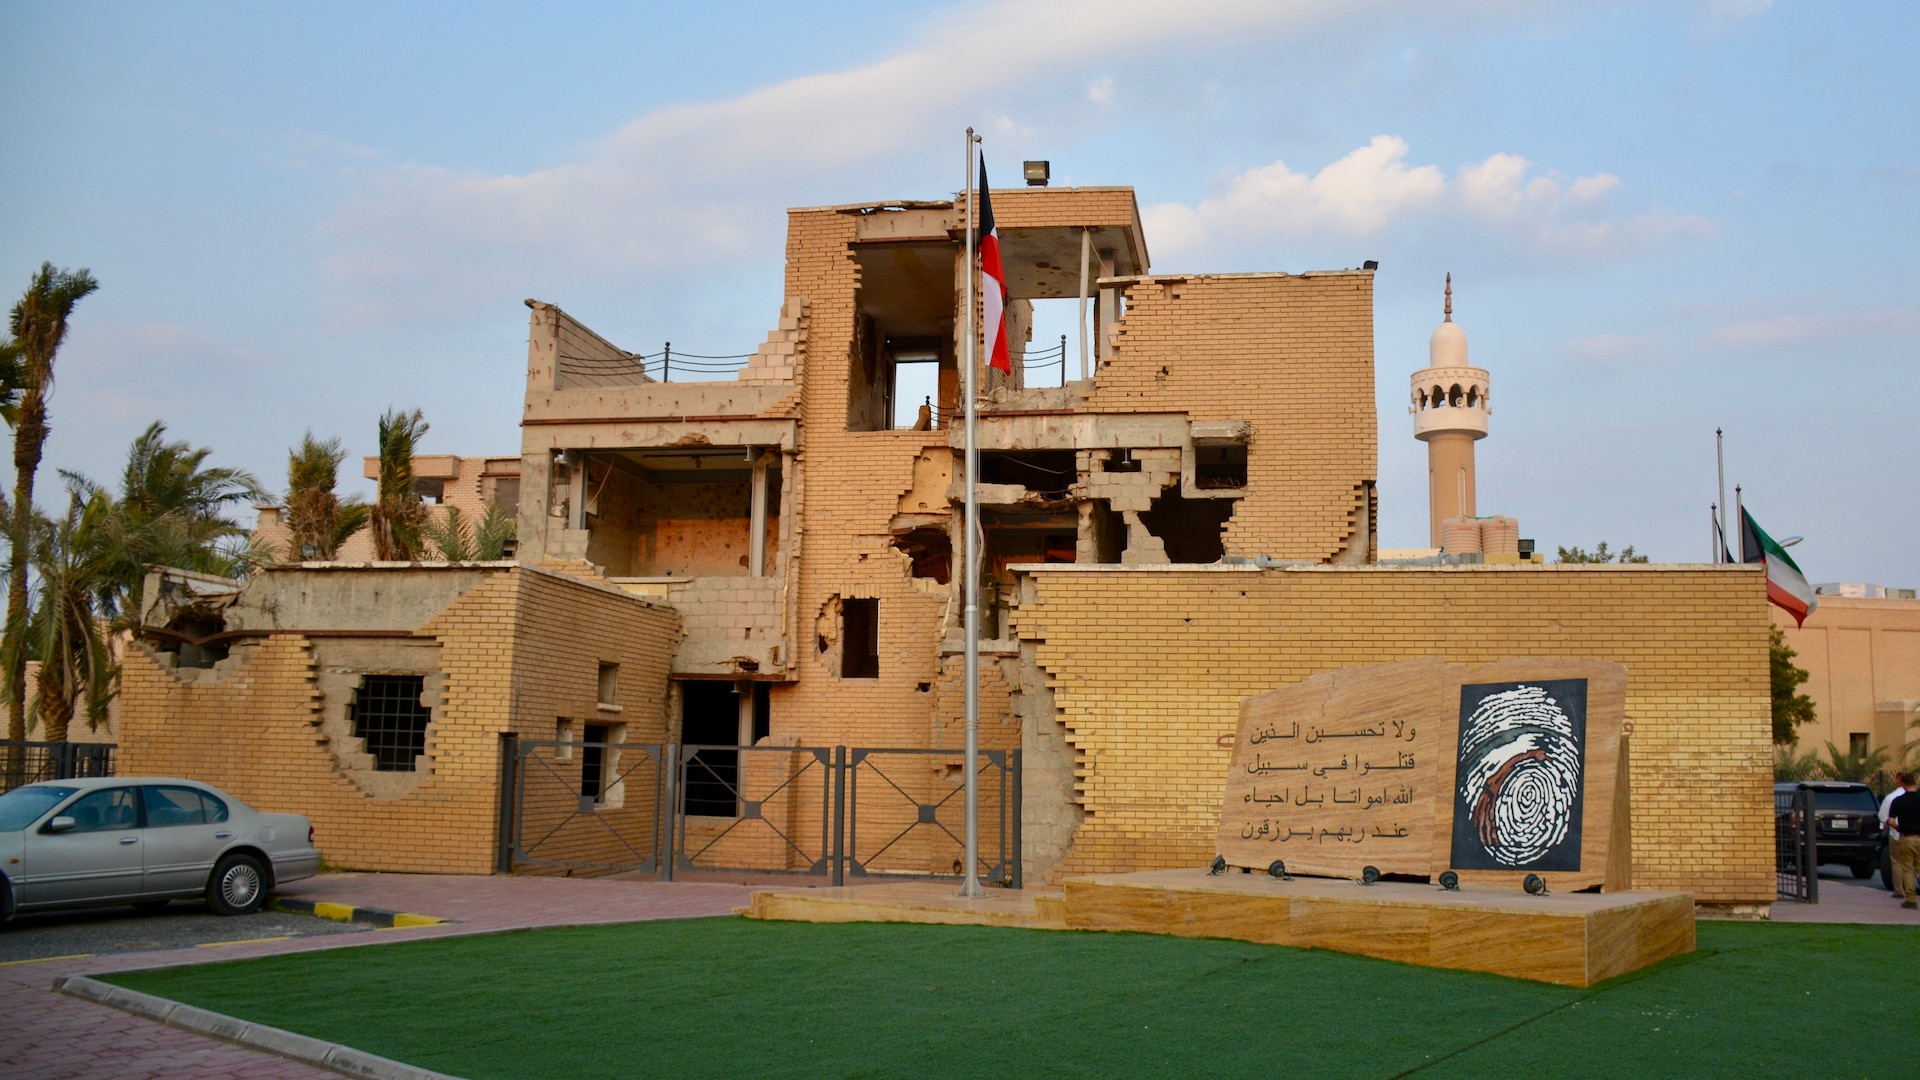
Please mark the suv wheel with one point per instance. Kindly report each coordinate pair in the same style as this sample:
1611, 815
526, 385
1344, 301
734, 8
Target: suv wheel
1863, 870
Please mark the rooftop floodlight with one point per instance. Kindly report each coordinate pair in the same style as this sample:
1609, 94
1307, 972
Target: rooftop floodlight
1535, 885
1036, 172
308, 553
1369, 875
1370, 264
1278, 869
1218, 866
1449, 881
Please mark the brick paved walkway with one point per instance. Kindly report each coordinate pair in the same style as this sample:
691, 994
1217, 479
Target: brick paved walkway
44, 1035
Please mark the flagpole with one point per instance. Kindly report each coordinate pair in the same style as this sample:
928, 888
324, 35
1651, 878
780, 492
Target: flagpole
1720, 519
1739, 522
969, 883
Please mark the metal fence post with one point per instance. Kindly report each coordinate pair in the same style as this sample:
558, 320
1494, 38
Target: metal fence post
1809, 850
839, 871
1014, 759
671, 763
509, 801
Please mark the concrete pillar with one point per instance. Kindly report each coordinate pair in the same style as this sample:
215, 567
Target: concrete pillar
757, 515
743, 690
1109, 306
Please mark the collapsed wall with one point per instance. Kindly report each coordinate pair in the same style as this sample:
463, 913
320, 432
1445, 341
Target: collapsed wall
373, 699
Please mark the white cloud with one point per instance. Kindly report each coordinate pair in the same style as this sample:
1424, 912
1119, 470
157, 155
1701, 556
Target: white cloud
1373, 188
1100, 91
1784, 330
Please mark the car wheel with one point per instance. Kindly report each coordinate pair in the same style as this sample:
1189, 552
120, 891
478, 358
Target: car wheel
238, 886
1863, 870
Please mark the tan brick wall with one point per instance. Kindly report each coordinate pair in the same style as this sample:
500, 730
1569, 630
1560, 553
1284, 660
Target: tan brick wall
517, 651
1148, 670
1858, 654
1290, 354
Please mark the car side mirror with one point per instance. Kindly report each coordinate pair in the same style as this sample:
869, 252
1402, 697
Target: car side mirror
61, 823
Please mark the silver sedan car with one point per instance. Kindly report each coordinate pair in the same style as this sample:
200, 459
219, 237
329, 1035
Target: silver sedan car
144, 841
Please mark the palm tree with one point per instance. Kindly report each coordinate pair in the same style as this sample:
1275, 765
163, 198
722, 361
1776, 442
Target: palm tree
497, 526
453, 535
73, 558
1859, 767
39, 326
319, 520
1788, 765
398, 518
171, 512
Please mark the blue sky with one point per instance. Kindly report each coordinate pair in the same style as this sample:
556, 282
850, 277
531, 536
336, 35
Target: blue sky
1661, 218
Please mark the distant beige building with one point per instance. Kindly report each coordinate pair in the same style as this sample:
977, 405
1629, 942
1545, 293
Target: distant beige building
1861, 649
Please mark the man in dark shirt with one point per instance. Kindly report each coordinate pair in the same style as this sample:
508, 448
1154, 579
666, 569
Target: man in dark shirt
1904, 815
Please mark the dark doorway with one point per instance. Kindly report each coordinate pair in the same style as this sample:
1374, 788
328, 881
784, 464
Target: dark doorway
593, 763
710, 718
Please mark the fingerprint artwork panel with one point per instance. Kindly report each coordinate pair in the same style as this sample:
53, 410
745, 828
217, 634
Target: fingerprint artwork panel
1365, 766
1519, 776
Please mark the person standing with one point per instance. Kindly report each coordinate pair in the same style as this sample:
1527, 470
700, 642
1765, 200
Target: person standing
1904, 815
1893, 834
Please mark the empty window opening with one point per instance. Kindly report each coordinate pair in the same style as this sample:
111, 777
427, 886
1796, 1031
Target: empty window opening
388, 716
1456, 397
1120, 461
609, 692
859, 639
1052, 354
1439, 396
762, 712
1473, 397
1190, 528
1044, 472
905, 305
931, 550
1106, 531
430, 489
710, 720
593, 763
1220, 465
915, 388
675, 512
1859, 744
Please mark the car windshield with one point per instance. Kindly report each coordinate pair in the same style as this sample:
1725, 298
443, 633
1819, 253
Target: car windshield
23, 806
1852, 800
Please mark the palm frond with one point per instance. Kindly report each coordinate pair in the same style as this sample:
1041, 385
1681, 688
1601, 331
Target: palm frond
452, 535
497, 528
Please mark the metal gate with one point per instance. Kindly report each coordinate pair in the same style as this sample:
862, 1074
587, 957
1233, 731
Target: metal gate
827, 812
907, 813
31, 762
581, 806
1796, 862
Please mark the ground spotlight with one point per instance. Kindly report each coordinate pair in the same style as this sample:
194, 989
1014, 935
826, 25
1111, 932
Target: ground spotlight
1449, 881
1369, 875
1278, 869
1218, 866
1535, 885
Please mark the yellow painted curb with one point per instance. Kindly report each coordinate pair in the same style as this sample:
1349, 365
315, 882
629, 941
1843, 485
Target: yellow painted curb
336, 912
415, 920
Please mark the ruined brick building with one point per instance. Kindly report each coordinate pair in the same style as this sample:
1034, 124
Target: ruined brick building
776, 554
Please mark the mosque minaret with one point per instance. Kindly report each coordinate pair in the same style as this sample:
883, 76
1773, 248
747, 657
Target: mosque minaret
1449, 414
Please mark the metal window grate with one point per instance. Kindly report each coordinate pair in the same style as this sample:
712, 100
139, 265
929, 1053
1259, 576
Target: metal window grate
388, 715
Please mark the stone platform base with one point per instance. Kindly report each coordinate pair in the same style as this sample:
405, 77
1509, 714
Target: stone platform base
911, 901
1573, 939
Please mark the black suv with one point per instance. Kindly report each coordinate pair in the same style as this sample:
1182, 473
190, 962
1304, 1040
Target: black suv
1846, 823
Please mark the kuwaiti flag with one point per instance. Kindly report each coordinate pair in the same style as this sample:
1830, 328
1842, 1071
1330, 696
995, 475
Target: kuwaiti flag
1786, 586
993, 284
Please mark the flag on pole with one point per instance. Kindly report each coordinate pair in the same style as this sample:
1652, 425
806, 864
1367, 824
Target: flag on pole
993, 289
1786, 586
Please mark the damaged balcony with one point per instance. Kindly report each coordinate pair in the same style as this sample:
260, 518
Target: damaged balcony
696, 526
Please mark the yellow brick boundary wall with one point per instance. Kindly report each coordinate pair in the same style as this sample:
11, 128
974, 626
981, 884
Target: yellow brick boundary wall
1148, 668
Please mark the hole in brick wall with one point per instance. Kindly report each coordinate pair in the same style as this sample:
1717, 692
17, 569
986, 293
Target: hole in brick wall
1045, 472
387, 715
1120, 461
924, 687
1107, 530
1190, 528
931, 552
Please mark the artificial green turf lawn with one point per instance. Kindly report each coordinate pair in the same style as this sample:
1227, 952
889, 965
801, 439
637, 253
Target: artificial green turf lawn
734, 998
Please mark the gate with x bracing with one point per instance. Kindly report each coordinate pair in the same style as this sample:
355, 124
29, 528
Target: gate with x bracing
597, 808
